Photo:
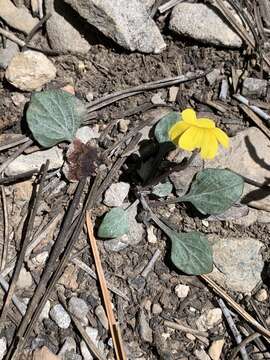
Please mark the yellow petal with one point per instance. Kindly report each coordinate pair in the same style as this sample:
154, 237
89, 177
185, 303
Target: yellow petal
190, 139
189, 116
177, 129
205, 123
209, 145
221, 137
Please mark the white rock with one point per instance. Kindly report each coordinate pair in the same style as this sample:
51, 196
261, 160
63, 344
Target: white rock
157, 99
3, 347
62, 35
116, 194
249, 156
123, 125
34, 161
238, 263
126, 22
182, 291
261, 295
68, 346
254, 87
201, 23
151, 237
215, 349
25, 280
45, 311
93, 334
60, 316
78, 307
201, 355
173, 91
87, 133
156, 309
30, 70
102, 317
209, 319
18, 98
8, 53
17, 17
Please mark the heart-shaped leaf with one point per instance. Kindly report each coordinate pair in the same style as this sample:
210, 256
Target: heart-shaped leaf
190, 252
164, 125
214, 191
114, 224
54, 116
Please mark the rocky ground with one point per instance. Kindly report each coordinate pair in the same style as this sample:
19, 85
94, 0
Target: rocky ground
92, 49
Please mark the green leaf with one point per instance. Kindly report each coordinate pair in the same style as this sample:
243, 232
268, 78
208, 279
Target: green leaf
114, 224
214, 191
190, 252
162, 189
164, 125
54, 116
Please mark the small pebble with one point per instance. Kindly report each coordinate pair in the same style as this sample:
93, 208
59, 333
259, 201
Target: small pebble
182, 291
173, 91
25, 279
116, 194
254, 87
215, 349
87, 133
156, 309
151, 237
213, 76
89, 96
261, 295
8, 53
60, 316
146, 332
3, 347
209, 319
68, 346
18, 99
157, 99
102, 317
93, 334
123, 125
45, 311
78, 307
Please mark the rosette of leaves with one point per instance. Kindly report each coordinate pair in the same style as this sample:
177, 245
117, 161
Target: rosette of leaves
54, 116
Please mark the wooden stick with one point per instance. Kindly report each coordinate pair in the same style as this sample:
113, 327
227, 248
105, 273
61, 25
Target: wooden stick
114, 329
261, 329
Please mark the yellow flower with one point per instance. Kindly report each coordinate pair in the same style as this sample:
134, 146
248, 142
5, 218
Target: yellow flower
191, 133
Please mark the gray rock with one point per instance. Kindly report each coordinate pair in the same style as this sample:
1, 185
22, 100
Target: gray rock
146, 332
25, 280
201, 355
116, 194
126, 22
34, 161
148, 3
78, 307
208, 319
213, 76
17, 17
45, 311
200, 22
249, 156
87, 133
93, 334
8, 53
238, 263
60, 316
102, 317
62, 35
68, 347
254, 87
30, 70
3, 347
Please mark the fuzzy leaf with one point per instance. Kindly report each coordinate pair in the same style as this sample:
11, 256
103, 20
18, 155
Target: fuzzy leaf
114, 224
54, 116
214, 191
164, 125
191, 253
